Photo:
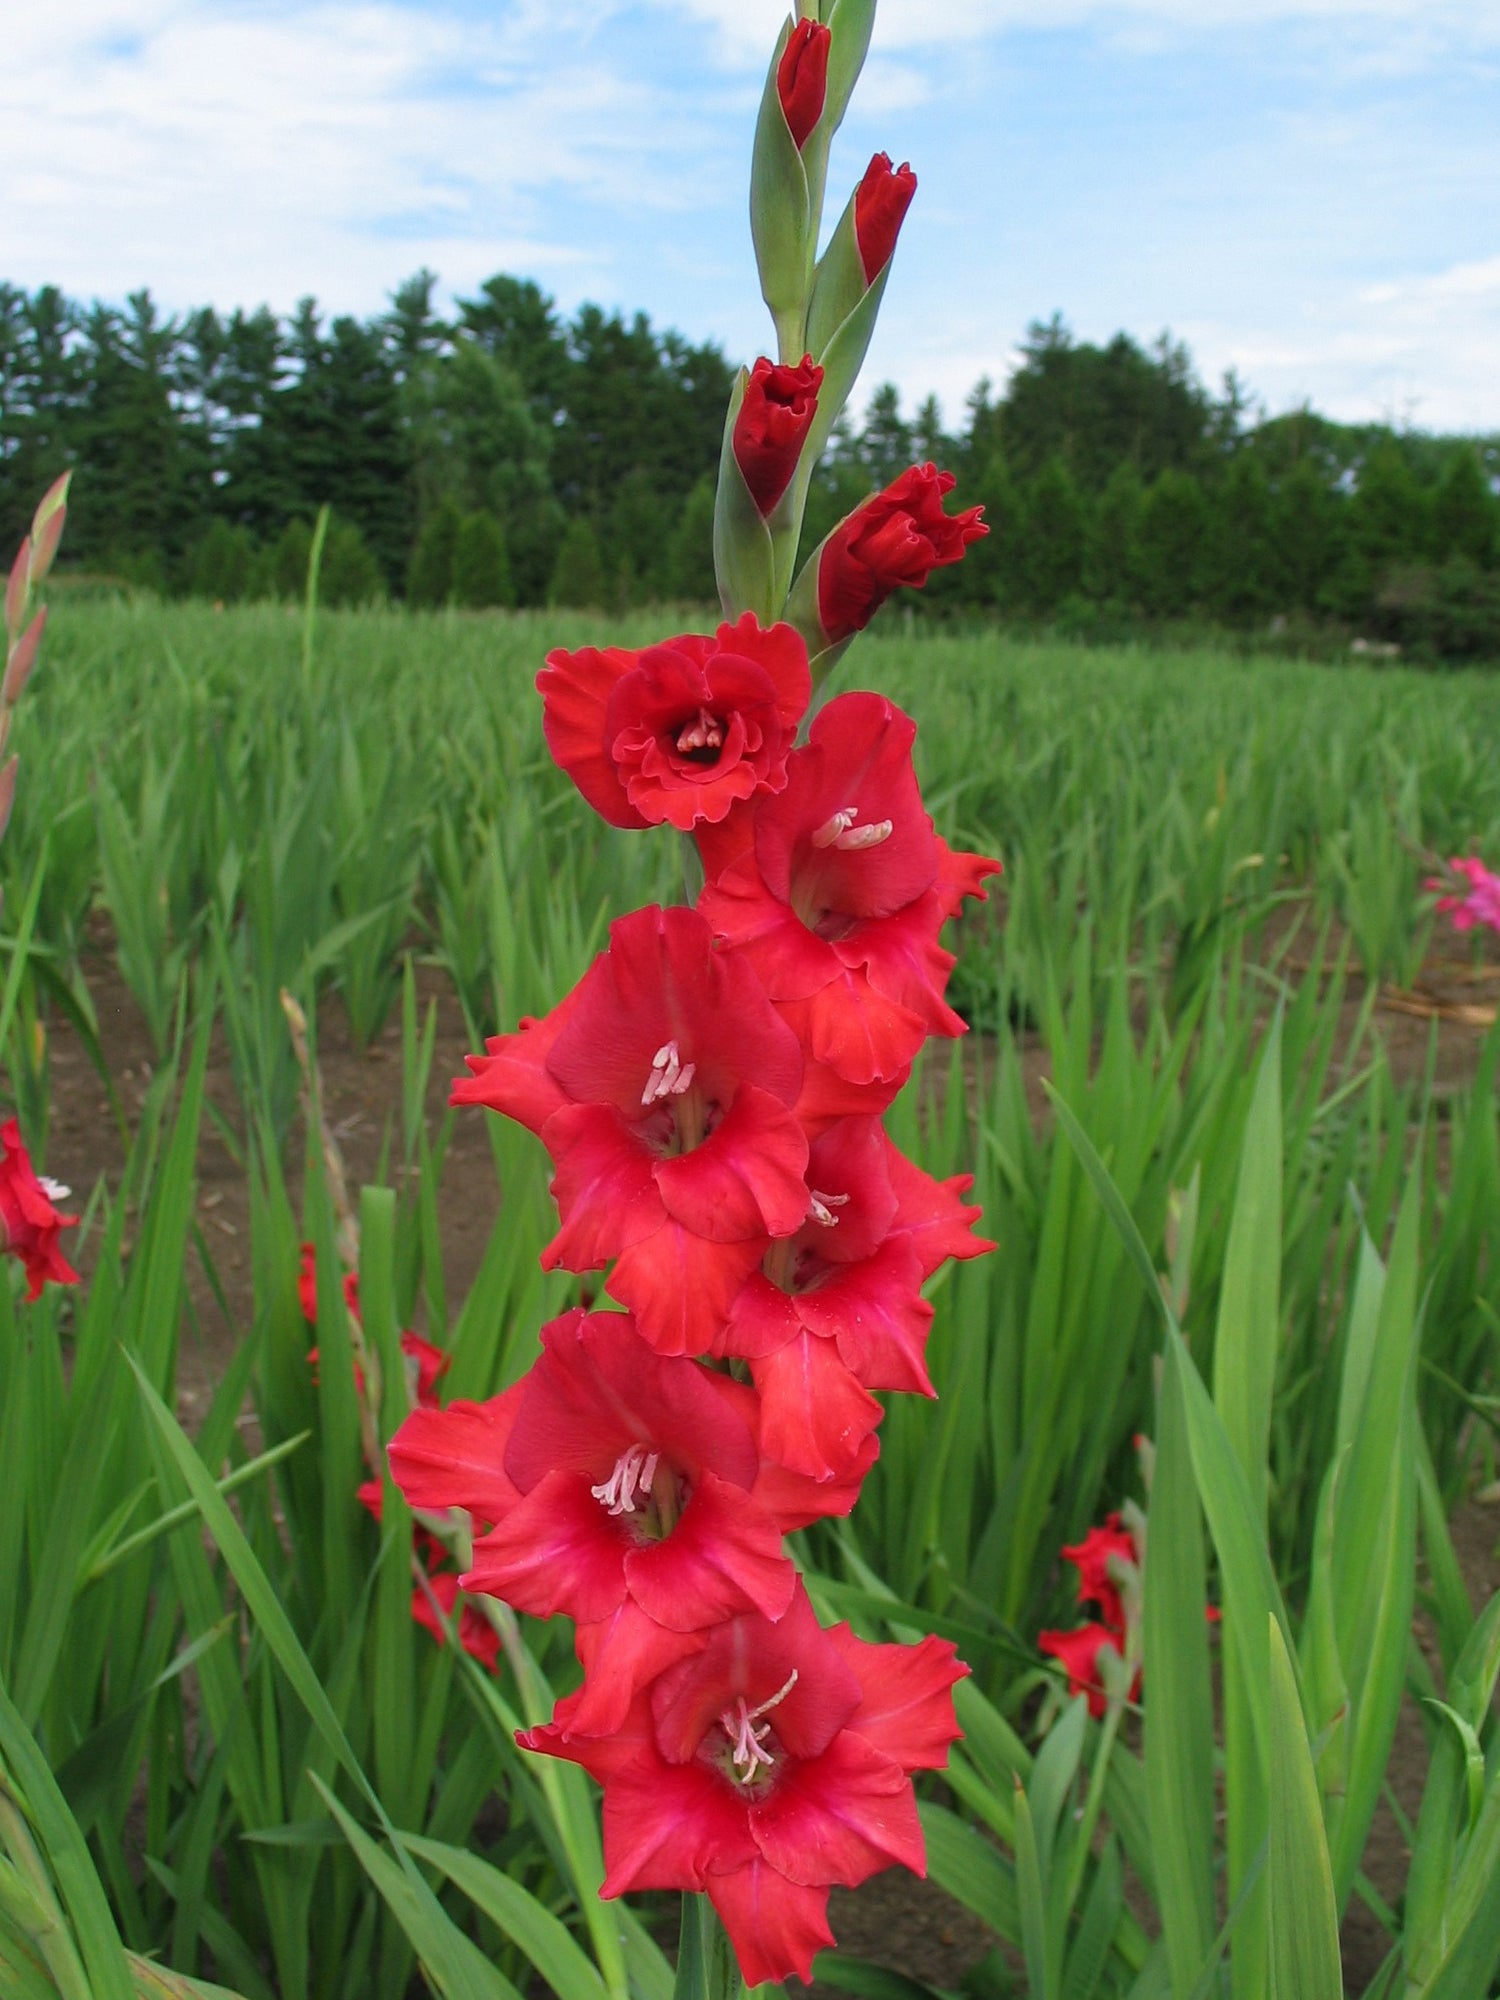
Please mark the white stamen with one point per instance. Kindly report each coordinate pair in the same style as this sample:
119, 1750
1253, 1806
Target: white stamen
747, 1742
829, 832
54, 1190
821, 1207
842, 832
630, 1482
857, 837
670, 1076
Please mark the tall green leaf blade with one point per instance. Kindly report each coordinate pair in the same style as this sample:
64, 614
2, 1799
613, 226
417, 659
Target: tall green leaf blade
1304, 1924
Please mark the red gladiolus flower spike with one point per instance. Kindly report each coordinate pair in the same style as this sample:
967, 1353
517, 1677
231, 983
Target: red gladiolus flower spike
840, 895
802, 79
30, 1224
897, 538
880, 204
773, 422
665, 1098
764, 1769
682, 731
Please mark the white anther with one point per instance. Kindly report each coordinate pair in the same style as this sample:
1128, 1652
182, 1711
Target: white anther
670, 1075
842, 831
746, 1741
821, 1207
54, 1190
630, 1482
856, 837
832, 829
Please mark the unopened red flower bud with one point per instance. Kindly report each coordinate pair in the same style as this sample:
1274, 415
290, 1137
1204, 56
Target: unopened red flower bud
23, 658
17, 585
772, 426
898, 537
880, 204
802, 79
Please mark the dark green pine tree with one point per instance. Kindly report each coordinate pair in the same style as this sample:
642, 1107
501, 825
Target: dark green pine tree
134, 511
1054, 531
429, 574
1464, 513
1307, 537
340, 424
578, 581
1173, 532
885, 439
481, 565
44, 388
1112, 560
516, 323
690, 556
1239, 569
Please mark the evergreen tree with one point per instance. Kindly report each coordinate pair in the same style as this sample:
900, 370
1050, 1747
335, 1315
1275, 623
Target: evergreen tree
1053, 533
1093, 406
1174, 521
223, 563
1239, 574
578, 578
280, 569
1306, 537
1464, 513
991, 571
1112, 560
690, 556
638, 535
429, 574
136, 499
348, 573
1389, 514
516, 324
481, 566
885, 443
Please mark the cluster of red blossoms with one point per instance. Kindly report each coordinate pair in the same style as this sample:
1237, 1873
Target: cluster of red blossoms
30, 1225
1094, 1655
711, 1095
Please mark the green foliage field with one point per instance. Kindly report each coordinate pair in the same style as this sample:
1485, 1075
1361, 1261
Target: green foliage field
1211, 864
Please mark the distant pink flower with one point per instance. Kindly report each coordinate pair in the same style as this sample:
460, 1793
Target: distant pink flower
1481, 905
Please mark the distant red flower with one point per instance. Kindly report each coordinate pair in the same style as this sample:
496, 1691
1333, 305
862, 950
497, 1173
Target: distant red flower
427, 1364
880, 204
1091, 1558
681, 731
774, 419
1480, 906
802, 78
897, 538
29, 1219
1079, 1653
838, 897
766, 1767
476, 1634
663, 1088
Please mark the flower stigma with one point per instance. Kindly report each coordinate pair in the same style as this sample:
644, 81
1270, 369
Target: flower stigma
629, 1485
842, 830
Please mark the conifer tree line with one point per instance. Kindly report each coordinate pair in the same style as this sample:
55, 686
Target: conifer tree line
505, 455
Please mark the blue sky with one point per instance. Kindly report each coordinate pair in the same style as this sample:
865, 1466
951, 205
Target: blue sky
1306, 190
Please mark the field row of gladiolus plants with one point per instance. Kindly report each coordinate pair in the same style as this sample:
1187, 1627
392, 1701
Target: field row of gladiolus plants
1194, 1504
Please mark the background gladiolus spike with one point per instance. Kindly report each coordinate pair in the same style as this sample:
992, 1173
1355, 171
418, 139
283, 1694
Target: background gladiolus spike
22, 659
7, 792
46, 537
17, 588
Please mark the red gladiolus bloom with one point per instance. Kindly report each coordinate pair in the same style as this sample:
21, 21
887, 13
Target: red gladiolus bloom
898, 537
880, 204
29, 1221
1090, 1558
1079, 1653
426, 1364
841, 895
682, 731
665, 1095
838, 1310
765, 1768
802, 78
625, 1490
773, 422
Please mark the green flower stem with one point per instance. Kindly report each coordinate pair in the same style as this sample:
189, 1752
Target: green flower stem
706, 1965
